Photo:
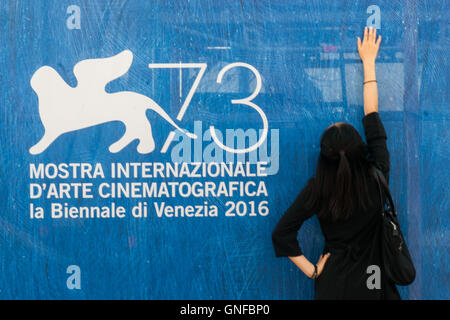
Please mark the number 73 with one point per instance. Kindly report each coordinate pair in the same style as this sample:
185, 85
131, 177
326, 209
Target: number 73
245, 101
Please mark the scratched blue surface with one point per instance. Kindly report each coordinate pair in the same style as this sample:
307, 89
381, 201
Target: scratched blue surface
311, 75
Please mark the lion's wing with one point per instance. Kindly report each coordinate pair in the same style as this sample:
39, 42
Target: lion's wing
96, 73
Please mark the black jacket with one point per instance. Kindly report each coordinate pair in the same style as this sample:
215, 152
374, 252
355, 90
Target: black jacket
354, 244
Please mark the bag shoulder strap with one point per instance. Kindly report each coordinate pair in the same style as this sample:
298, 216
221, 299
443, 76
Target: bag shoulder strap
380, 177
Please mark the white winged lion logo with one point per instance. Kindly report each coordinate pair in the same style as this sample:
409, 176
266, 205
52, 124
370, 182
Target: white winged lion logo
63, 108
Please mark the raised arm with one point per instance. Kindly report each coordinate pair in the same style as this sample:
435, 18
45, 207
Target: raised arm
373, 127
368, 51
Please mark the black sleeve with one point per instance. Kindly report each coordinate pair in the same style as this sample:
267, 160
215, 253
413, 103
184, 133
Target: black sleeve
376, 140
284, 236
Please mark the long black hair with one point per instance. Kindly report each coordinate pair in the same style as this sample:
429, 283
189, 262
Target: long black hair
340, 185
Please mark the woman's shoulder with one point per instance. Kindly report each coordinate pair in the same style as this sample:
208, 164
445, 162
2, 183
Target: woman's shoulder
309, 185
306, 193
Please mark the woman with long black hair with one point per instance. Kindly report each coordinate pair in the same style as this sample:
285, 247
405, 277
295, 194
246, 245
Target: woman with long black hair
345, 198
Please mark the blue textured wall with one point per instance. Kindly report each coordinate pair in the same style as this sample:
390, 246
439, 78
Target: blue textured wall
305, 52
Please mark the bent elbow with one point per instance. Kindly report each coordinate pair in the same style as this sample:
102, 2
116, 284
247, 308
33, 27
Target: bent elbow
276, 234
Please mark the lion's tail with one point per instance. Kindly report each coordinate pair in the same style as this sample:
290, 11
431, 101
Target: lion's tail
157, 108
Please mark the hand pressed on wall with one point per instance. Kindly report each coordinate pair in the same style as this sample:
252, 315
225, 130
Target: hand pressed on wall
368, 49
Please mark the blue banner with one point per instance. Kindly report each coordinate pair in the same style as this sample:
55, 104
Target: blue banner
150, 147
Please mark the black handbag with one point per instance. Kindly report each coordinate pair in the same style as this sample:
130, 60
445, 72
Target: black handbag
396, 259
